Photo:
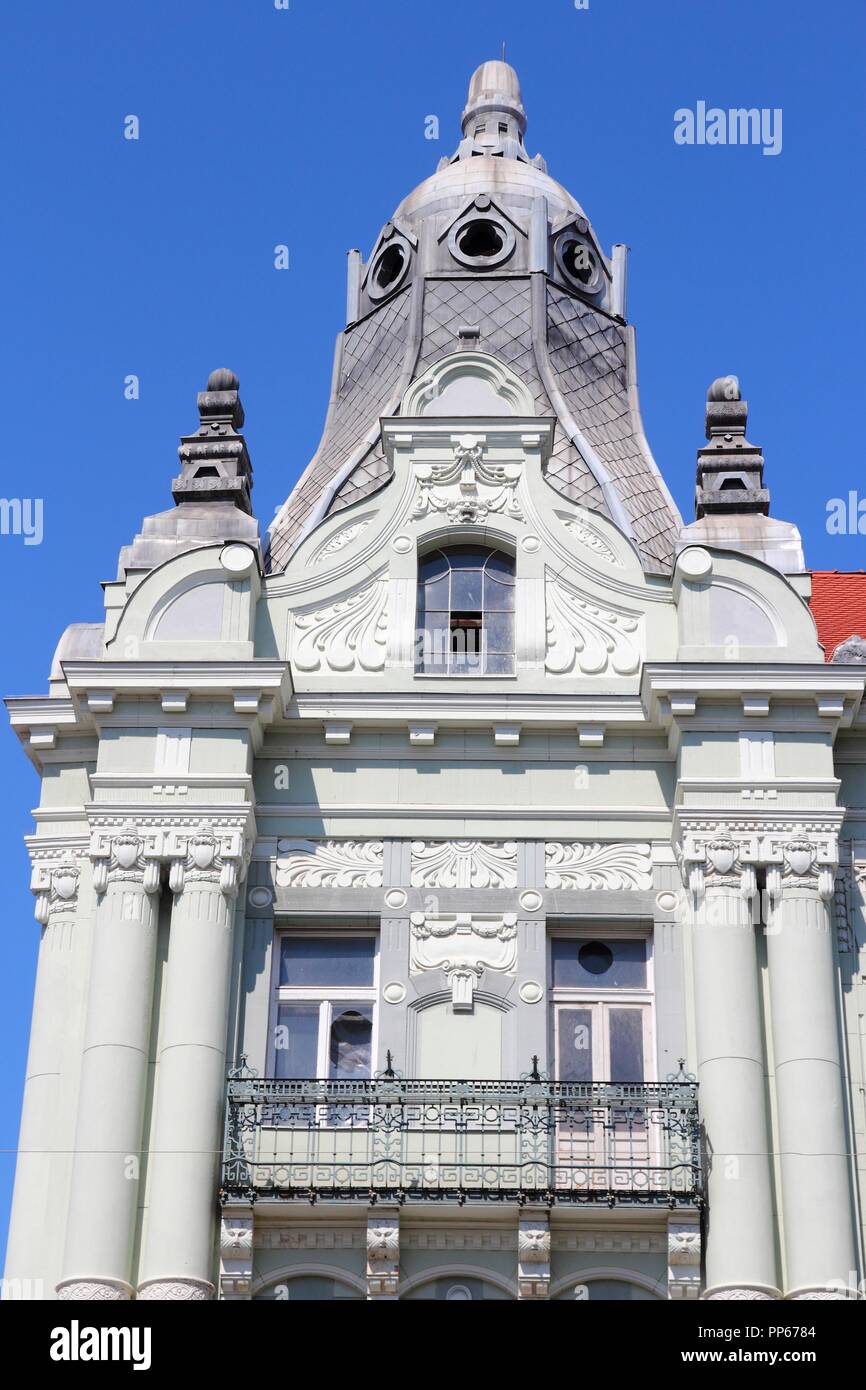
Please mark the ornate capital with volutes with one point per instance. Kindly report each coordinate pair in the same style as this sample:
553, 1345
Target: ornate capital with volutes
722, 856
718, 858
206, 855
801, 861
128, 855
56, 888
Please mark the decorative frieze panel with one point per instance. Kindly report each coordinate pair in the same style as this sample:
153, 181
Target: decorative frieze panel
329, 864
468, 487
464, 864
572, 865
347, 636
463, 946
585, 637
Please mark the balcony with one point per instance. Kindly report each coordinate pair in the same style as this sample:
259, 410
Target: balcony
397, 1140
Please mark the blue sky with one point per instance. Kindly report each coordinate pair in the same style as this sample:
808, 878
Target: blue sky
261, 126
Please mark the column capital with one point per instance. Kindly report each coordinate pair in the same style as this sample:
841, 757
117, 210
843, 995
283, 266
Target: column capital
207, 854
801, 861
128, 854
54, 881
716, 857
716, 854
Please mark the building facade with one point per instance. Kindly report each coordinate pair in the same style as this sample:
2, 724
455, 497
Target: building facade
458, 896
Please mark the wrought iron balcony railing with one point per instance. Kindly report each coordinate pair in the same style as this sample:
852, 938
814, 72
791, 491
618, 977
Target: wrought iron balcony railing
392, 1139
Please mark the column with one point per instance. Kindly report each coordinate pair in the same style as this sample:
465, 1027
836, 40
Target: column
815, 1172
105, 1172
56, 886
740, 1256
179, 1247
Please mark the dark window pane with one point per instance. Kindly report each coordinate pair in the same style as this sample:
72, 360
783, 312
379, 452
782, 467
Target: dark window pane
327, 961
349, 1046
467, 557
626, 1045
574, 966
296, 1041
500, 567
499, 631
466, 591
575, 1045
433, 567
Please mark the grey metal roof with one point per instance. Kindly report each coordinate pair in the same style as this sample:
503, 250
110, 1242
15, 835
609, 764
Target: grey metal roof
572, 348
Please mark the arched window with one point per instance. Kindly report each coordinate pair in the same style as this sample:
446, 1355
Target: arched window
465, 612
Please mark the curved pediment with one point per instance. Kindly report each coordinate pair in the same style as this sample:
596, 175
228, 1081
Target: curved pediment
468, 383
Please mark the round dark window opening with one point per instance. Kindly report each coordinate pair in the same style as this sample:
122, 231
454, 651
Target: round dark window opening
579, 261
480, 240
595, 958
390, 267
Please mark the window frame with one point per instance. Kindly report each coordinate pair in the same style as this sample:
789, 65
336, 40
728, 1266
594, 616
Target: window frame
446, 546
601, 999
324, 995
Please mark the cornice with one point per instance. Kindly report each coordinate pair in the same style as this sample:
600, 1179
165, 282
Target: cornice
471, 707
671, 692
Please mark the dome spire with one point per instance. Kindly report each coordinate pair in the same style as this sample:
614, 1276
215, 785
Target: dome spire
494, 118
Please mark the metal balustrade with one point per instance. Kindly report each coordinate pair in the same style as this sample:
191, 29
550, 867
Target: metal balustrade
407, 1140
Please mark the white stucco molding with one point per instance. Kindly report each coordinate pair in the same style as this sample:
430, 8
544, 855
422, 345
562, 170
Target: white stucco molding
463, 945
800, 851
482, 382
674, 692
95, 685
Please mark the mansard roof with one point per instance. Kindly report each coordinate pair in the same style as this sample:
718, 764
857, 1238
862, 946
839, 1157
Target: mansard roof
492, 253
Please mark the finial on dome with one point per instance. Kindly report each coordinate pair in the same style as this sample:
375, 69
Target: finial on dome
494, 94
730, 469
222, 380
725, 388
215, 465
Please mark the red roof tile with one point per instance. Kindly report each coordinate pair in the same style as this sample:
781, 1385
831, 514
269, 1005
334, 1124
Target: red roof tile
838, 604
